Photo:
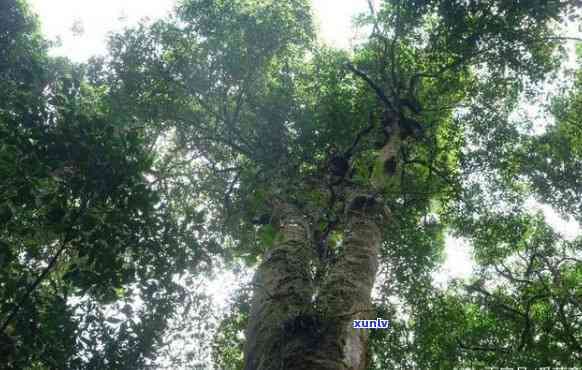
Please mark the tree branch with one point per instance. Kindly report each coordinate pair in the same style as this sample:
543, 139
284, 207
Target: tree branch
379, 92
46, 271
483, 349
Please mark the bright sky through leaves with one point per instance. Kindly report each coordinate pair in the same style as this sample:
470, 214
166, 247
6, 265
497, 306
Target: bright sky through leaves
144, 259
82, 27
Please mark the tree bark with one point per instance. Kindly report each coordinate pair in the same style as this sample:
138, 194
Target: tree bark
287, 328
346, 294
296, 326
283, 293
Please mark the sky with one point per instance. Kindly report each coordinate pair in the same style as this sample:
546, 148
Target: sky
82, 27
96, 18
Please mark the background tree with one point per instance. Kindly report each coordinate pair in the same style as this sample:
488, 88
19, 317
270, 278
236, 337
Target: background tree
89, 247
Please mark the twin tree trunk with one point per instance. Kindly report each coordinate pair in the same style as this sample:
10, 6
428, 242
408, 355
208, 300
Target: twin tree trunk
300, 323
296, 323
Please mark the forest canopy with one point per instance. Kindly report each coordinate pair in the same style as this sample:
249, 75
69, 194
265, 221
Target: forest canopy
226, 140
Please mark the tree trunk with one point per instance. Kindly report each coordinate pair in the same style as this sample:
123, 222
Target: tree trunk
346, 293
296, 326
288, 329
283, 290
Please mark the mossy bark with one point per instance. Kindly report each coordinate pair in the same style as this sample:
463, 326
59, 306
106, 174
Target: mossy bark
287, 330
283, 292
346, 294
296, 326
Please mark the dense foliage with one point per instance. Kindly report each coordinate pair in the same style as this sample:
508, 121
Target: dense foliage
124, 179
90, 248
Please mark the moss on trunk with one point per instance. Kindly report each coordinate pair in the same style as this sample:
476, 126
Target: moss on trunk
283, 291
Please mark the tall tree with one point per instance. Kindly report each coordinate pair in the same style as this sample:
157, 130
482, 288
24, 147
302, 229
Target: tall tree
324, 169
323, 165
89, 246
